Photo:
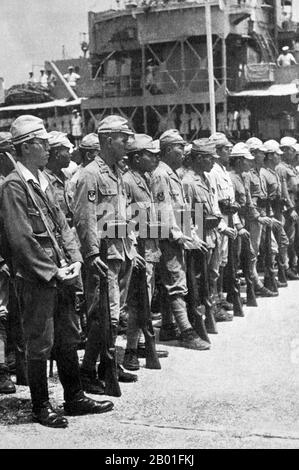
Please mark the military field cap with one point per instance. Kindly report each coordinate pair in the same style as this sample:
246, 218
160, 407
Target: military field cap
272, 146
59, 139
5, 140
203, 147
171, 137
27, 127
220, 140
288, 141
241, 150
141, 142
90, 142
114, 123
255, 144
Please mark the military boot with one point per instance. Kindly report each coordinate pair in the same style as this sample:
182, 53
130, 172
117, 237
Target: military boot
189, 339
42, 410
169, 332
131, 360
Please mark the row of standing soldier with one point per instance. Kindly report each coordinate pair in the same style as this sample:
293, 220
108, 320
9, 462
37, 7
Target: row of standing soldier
45, 217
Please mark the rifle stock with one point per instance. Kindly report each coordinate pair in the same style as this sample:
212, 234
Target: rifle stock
108, 353
144, 316
193, 299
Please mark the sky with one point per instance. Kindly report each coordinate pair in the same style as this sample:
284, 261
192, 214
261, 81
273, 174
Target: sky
32, 31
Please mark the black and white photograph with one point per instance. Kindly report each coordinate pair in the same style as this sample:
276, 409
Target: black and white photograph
149, 228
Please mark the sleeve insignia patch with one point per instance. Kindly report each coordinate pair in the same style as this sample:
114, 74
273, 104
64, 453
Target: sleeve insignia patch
161, 196
91, 196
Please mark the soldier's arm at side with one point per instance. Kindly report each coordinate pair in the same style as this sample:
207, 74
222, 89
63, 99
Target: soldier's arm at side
164, 207
85, 214
20, 234
68, 238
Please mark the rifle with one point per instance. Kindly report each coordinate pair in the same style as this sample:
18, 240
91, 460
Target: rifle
210, 322
193, 298
31, 194
108, 351
144, 315
233, 281
269, 276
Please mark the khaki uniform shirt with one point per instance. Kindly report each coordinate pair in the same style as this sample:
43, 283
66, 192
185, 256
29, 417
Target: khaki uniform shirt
139, 197
100, 197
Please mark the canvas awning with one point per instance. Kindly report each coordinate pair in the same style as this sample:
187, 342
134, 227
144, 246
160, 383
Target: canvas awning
284, 89
48, 104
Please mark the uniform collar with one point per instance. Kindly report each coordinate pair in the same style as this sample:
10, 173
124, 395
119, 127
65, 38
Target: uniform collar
54, 176
105, 168
28, 176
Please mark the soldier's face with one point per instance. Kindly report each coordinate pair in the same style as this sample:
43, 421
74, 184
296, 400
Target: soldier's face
118, 143
275, 158
202, 163
259, 157
224, 153
63, 157
177, 155
37, 151
245, 165
147, 162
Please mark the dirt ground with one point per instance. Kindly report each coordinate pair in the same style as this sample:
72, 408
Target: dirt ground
243, 393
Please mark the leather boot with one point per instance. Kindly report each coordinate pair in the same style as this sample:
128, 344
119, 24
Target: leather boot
43, 412
68, 371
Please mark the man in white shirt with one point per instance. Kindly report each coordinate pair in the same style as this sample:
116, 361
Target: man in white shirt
72, 77
286, 58
43, 80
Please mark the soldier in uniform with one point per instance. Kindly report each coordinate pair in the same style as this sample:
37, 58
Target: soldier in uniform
60, 158
258, 218
100, 196
198, 189
288, 177
272, 184
89, 148
6, 384
38, 244
170, 202
220, 180
240, 163
141, 158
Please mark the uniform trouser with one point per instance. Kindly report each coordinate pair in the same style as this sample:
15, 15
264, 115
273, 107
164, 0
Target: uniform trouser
133, 331
255, 230
283, 243
4, 298
290, 230
172, 272
119, 275
49, 321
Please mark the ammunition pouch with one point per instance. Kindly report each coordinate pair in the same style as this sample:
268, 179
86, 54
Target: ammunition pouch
211, 222
262, 203
228, 208
243, 211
